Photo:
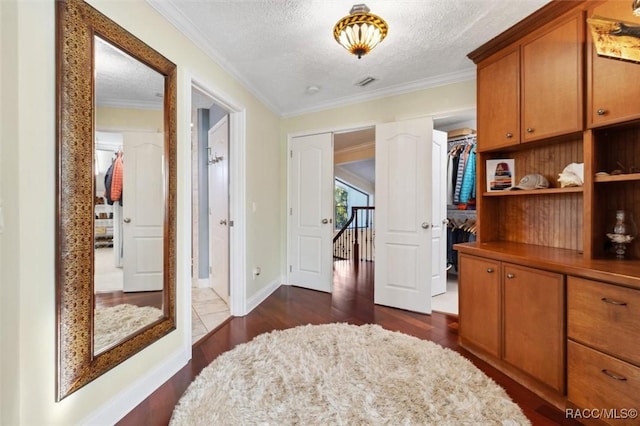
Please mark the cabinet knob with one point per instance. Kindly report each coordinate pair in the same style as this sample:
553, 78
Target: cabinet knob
529, 130
509, 135
601, 111
425, 225
510, 275
489, 270
126, 220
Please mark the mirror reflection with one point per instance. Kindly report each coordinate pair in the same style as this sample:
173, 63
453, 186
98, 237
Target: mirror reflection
129, 164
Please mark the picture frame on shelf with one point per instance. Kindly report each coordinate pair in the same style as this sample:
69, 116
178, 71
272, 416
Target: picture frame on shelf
500, 174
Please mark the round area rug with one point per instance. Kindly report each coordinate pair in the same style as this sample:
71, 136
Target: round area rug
341, 374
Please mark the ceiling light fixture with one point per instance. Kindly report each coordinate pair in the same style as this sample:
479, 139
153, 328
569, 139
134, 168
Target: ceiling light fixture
360, 31
636, 7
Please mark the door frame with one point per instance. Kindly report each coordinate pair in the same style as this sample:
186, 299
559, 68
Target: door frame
237, 197
290, 137
342, 129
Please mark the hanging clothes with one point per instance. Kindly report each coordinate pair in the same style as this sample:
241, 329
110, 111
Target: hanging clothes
461, 173
108, 177
117, 179
468, 187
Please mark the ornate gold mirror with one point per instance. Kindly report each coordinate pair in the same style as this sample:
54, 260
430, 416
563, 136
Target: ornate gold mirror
116, 195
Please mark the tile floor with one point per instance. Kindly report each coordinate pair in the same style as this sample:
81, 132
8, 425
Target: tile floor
207, 312
447, 302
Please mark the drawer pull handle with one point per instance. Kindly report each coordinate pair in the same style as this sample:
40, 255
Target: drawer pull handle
510, 276
601, 111
613, 375
613, 302
489, 270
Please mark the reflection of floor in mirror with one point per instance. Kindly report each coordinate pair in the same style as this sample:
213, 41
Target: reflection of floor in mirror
108, 277
447, 302
208, 311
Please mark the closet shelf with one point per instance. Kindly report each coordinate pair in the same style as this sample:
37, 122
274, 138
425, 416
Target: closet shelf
617, 178
547, 191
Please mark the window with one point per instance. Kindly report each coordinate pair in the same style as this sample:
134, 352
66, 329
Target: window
347, 196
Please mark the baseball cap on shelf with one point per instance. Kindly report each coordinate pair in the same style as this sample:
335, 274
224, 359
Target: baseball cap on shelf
532, 181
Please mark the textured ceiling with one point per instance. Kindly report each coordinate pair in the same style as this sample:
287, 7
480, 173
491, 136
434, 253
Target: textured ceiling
125, 82
278, 48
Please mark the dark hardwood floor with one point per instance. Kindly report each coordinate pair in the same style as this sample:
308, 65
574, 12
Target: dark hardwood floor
140, 298
352, 302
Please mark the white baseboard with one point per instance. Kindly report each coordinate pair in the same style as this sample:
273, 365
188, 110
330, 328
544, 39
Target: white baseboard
120, 405
260, 296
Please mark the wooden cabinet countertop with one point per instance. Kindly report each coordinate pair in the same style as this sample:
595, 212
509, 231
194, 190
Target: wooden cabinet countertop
570, 262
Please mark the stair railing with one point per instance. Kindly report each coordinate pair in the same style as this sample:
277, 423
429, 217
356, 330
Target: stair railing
355, 240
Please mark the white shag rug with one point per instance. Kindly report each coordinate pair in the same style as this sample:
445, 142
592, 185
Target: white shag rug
114, 323
341, 374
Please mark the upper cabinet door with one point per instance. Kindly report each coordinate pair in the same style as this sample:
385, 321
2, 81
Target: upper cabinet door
499, 102
552, 80
614, 92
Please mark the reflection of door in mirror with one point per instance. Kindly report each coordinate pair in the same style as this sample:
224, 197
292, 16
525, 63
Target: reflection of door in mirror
130, 196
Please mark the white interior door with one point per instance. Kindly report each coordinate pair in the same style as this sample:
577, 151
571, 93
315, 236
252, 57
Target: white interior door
404, 215
218, 152
439, 213
311, 212
143, 211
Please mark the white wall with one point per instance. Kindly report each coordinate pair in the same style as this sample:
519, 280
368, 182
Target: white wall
9, 291
437, 101
27, 299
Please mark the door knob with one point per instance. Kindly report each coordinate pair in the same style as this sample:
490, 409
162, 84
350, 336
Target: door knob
127, 220
325, 221
223, 221
425, 225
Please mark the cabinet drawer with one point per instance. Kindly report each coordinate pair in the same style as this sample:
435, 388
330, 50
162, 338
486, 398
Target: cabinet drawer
604, 316
599, 381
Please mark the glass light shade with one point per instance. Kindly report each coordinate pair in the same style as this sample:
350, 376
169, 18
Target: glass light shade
360, 31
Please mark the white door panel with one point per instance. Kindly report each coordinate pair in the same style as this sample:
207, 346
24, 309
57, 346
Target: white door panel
439, 213
311, 212
143, 212
218, 147
403, 215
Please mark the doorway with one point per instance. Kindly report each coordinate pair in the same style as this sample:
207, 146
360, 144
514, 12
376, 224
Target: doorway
353, 156
210, 161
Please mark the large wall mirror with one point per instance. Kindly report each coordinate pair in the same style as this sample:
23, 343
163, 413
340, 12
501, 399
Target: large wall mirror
116, 195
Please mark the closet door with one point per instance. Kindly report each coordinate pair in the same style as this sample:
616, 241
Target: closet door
143, 215
403, 215
439, 213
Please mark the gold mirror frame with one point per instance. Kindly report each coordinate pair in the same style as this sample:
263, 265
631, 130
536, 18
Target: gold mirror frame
77, 23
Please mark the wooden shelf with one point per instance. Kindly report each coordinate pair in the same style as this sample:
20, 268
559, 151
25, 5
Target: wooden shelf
547, 191
617, 178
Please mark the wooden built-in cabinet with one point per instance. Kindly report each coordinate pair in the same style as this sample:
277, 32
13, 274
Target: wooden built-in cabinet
603, 346
533, 90
480, 299
552, 80
499, 100
534, 335
516, 314
545, 100
613, 92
